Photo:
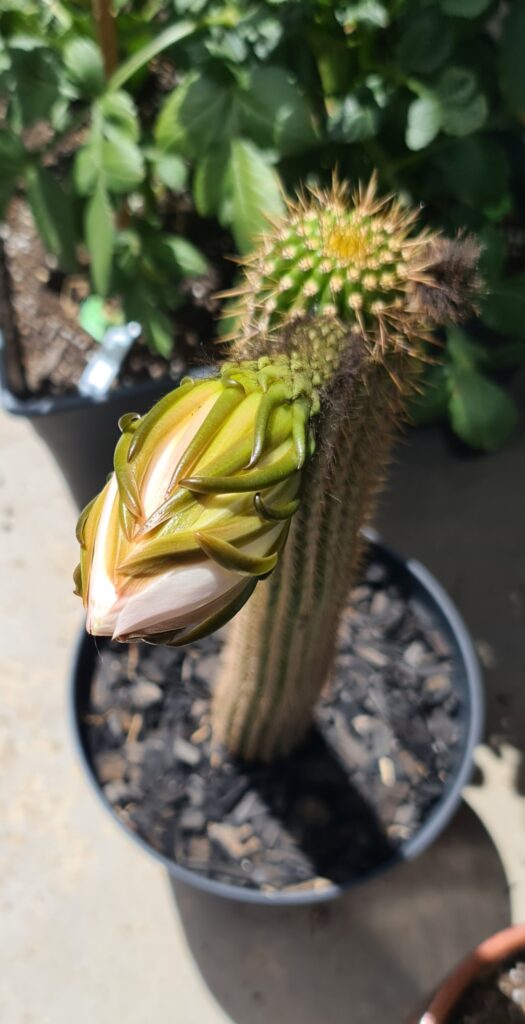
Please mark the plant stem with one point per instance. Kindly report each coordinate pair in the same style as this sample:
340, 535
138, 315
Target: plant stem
106, 33
282, 645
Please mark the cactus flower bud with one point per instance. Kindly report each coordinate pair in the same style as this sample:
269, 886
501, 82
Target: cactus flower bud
199, 504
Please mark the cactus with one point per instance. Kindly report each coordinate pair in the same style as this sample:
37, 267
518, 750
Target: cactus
256, 483
360, 266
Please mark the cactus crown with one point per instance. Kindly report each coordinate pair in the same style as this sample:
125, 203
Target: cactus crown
353, 258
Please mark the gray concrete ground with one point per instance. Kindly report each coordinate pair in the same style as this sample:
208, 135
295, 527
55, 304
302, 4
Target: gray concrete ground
90, 929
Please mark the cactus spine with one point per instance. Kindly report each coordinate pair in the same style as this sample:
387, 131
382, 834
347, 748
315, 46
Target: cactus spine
346, 289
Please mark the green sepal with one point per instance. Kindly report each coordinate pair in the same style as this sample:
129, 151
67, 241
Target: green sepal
127, 484
249, 480
284, 512
77, 580
81, 522
128, 422
300, 421
155, 414
225, 404
229, 557
277, 394
161, 552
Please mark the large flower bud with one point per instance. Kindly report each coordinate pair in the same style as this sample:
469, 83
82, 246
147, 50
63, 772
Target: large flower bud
198, 507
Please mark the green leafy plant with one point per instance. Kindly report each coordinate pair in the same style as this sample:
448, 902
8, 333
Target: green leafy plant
271, 468
263, 94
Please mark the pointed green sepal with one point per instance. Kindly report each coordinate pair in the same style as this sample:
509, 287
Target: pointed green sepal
229, 557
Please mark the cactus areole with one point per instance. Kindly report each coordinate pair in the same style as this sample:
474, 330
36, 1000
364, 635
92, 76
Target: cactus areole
248, 490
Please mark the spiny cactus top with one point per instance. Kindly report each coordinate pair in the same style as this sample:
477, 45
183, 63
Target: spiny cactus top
356, 258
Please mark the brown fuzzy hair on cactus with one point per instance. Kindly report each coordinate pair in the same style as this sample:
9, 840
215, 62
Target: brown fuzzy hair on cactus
359, 265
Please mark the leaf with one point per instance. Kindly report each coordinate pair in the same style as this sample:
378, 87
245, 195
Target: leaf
209, 179
96, 316
254, 192
503, 309
475, 170
171, 171
122, 164
481, 412
85, 66
274, 112
190, 260
119, 110
196, 115
463, 108
174, 34
432, 405
351, 120
512, 48
52, 209
160, 331
100, 238
424, 122
87, 169
36, 74
426, 41
464, 8
370, 12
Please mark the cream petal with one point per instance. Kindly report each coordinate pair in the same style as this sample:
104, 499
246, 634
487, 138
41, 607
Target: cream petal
102, 594
173, 598
161, 467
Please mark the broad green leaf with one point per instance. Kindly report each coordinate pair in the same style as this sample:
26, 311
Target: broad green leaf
36, 73
119, 110
85, 66
371, 12
511, 56
87, 168
208, 182
464, 352
463, 108
122, 164
274, 112
188, 257
12, 154
96, 316
350, 120
426, 41
171, 170
255, 193
474, 170
195, 116
100, 238
464, 8
481, 413
159, 331
503, 309
424, 121
432, 404
169, 37
52, 209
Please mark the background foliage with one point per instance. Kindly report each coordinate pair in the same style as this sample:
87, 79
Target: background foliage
231, 100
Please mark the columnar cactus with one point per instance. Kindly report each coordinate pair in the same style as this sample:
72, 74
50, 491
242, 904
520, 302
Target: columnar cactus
267, 473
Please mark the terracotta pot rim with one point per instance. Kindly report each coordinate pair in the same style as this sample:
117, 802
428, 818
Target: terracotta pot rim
492, 951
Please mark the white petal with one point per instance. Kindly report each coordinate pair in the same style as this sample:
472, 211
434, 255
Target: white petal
174, 598
102, 595
162, 465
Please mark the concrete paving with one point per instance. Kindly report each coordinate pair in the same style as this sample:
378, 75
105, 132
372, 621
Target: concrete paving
90, 929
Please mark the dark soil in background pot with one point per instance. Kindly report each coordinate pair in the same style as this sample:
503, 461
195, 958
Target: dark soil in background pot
386, 741
496, 997
47, 350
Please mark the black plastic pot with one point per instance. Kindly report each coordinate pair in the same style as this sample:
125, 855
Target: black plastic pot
422, 586
80, 433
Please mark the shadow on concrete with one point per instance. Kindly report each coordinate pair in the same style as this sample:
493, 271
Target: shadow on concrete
370, 956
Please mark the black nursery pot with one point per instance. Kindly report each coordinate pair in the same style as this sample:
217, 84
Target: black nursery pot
81, 433
418, 585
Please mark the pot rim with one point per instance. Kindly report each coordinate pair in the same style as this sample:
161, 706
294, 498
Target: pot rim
34, 407
490, 952
436, 821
